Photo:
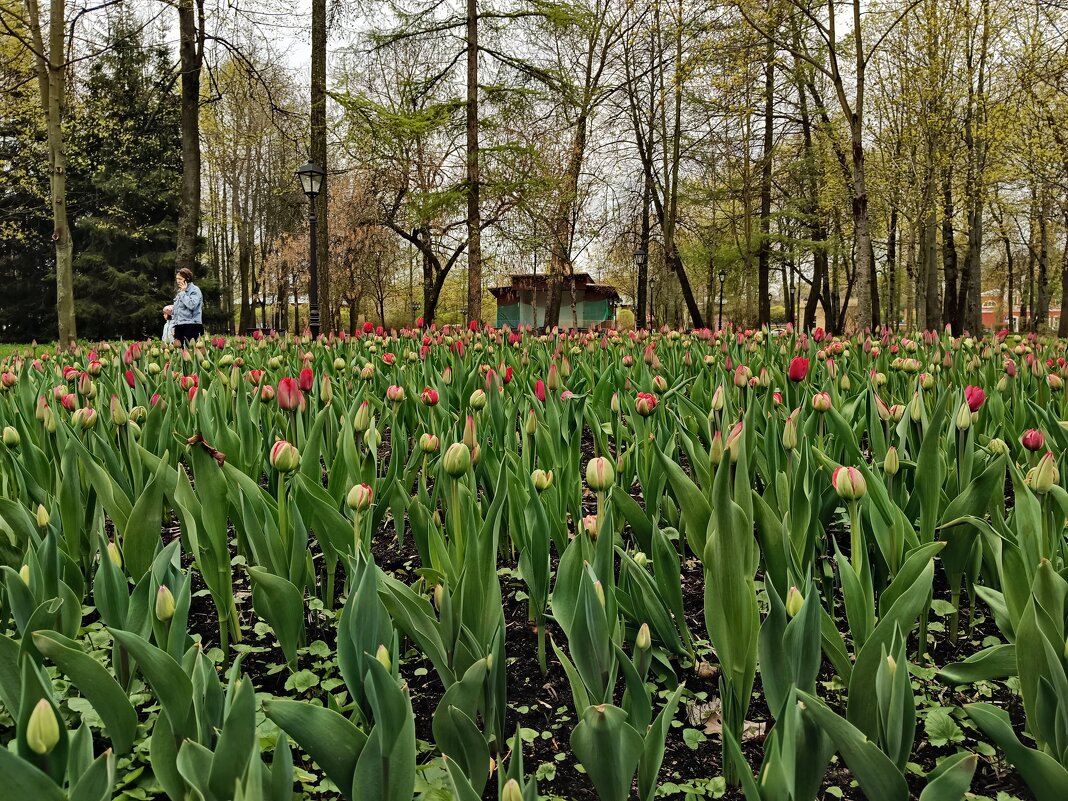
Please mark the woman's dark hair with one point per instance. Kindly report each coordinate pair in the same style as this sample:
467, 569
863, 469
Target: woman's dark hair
186, 273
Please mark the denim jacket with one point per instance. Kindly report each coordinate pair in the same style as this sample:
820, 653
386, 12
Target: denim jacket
188, 306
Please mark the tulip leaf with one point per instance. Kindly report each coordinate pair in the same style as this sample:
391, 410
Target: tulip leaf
23, 780
281, 604
1045, 777
97, 782
332, 742
878, 777
696, 511
995, 662
170, 683
94, 682
609, 749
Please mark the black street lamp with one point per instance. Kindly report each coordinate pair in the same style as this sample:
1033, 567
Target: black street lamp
641, 258
722, 280
311, 177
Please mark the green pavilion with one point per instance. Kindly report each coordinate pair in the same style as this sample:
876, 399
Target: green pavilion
584, 304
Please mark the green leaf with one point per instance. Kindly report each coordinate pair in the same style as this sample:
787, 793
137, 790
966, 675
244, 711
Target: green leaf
1046, 778
94, 682
951, 779
23, 780
995, 662
609, 749
941, 729
281, 604
333, 743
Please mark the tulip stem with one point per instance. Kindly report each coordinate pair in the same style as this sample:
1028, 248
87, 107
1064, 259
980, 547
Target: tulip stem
856, 539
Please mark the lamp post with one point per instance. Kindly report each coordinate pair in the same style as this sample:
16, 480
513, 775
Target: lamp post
311, 181
722, 280
641, 259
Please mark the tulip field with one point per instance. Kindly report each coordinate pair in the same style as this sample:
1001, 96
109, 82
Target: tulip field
476, 563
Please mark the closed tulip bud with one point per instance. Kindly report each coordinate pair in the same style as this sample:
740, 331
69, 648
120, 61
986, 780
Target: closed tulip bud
897, 411
1054, 381
48, 420
927, 381
552, 380
359, 498
326, 389
395, 394
266, 393
849, 483
339, 364
734, 442
511, 791
164, 604
589, 525
84, 418
717, 399
600, 476
541, 479
382, 655
845, 383
615, 403
640, 559
477, 400
362, 420
24, 574
660, 384
42, 729
114, 554
11, 437
794, 602
891, 464
1033, 439
1003, 383
446, 376
470, 435
1046, 474
891, 665
457, 460
428, 443
916, 408
716, 451
531, 424
138, 414
42, 516
119, 417
964, 418
789, 432
645, 403
821, 402
367, 372
644, 639
598, 588
285, 458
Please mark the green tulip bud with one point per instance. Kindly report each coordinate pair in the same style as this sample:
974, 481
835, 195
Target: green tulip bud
964, 417
849, 483
511, 791
891, 665
794, 602
285, 458
532, 423
42, 516
359, 498
24, 574
477, 400
362, 421
891, 464
716, 451
457, 460
164, 604
42, 729
1046, 474
598, 589
339, 364
997, 446
916, 408
789, 432
599, 474
429, 443
640, 559
542, 479
11, 437
114, 554
382, 655
644, 639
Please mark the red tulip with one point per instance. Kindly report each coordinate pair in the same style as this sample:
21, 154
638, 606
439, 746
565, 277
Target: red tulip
1033, 439
307, 379
798, 369
429, 397
154, 400
539, 390
418, 322
645, 403
130, 378
974, 397
289, 394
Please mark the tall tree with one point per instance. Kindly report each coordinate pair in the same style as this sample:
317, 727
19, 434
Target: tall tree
319, 152
191, 35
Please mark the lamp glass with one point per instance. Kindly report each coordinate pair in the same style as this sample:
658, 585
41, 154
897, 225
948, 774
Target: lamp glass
311, 178
640, 256
722, 276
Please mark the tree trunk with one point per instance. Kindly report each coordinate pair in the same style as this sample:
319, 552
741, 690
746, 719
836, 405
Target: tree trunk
191, 55
1062, 323
560, 259
893, 312
319, 154
931, 308
474, 212
950, 310
641, 318
1041, 310
51, 81
764, 258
